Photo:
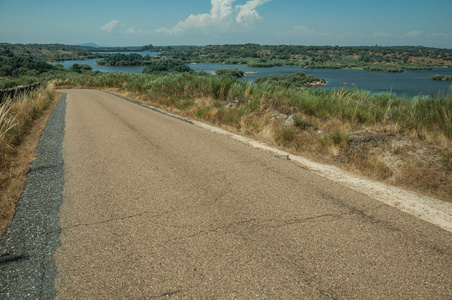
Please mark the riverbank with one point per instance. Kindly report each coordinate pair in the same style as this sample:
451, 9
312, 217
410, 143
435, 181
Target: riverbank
394, 140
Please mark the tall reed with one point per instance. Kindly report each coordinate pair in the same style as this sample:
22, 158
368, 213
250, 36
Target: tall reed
16, 117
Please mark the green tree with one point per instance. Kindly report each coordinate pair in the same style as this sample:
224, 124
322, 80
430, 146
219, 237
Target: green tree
230, 73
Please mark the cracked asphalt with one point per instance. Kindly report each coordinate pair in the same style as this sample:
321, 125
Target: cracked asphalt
156, 207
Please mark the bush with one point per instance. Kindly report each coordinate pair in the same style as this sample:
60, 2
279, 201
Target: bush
287, 136
165, 66
296, 80
235, 73
80, 68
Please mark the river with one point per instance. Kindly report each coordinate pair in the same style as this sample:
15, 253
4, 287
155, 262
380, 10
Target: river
408, 83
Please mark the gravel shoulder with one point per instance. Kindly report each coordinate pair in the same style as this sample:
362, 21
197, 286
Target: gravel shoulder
27, 267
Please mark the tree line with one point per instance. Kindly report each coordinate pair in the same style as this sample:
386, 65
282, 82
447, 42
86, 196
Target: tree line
132, 59
372, 58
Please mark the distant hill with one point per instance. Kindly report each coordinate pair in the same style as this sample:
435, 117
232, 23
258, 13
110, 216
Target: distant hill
90, 45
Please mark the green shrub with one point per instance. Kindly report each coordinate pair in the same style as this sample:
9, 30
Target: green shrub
184, 104
287, 135
235, 73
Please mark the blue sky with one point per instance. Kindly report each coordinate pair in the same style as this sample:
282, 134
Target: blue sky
201, 22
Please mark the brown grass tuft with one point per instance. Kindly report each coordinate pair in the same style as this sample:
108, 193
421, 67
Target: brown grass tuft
426, 177
370, 166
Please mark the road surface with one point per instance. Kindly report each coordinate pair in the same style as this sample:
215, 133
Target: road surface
154, 207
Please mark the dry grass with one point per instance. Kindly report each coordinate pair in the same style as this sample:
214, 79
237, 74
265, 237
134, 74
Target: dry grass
429, 59
22, 121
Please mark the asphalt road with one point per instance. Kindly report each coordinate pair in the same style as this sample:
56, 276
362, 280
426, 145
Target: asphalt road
155, 207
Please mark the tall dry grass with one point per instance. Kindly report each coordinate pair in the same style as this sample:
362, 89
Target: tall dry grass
17, 117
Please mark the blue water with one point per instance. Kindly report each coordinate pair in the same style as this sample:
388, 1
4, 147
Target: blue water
408, 83
106, 69
109, 69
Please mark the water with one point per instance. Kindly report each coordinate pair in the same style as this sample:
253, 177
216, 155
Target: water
109, 69
408, 83
106, 69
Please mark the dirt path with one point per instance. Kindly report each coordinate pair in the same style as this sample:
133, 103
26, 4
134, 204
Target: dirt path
155, 207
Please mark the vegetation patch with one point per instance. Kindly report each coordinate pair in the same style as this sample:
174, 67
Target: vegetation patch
295, 80
132, 59
235, 73
20, 66
164, 66
287, 135
376, 58
441, 77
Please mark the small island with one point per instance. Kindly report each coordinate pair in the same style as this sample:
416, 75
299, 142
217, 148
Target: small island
297, 80
441, 77
235, 73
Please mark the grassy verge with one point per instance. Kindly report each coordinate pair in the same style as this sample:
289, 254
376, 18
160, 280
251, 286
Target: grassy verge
21, 122
401, 141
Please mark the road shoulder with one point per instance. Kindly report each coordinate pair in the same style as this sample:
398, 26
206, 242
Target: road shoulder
27, 267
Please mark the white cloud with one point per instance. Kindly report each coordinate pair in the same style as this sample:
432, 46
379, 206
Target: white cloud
441, 34
414, 34
382, 34
222, 15
247, 12
109, 26
133, 31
